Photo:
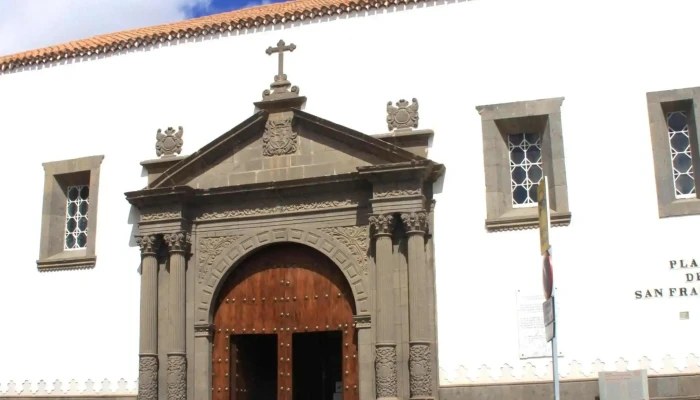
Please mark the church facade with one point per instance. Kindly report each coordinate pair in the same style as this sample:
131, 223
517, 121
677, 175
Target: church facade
272, 203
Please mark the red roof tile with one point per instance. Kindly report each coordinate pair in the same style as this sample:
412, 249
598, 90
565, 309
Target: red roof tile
272, 14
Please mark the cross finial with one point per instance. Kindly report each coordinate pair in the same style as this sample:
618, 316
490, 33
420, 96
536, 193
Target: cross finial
280, 49
280, 88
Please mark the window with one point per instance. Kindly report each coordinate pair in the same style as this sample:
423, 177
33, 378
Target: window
525, 153
77, 217
522, 142
674, 143
69, 220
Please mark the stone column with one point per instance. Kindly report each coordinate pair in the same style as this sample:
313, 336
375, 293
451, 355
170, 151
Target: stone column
178, 244
148, 330
385, 348
419, 337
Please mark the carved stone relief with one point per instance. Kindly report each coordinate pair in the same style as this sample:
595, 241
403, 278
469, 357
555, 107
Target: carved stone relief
415, 221
382, 224
177, 377
356, 239
385, 370
403, 116
270, 207
169, 143
396, 189
279, 138
158, 216
148, 377
177, 241
149, 243
210, 248
420, 370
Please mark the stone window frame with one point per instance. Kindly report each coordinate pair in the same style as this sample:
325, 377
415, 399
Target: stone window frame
658, 104
500, 120
58, 176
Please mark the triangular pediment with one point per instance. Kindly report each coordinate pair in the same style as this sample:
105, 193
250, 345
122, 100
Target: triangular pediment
280, 146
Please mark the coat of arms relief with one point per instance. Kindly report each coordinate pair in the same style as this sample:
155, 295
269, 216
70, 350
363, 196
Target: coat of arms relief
279, 138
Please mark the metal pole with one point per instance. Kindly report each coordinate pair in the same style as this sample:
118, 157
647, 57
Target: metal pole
555, 350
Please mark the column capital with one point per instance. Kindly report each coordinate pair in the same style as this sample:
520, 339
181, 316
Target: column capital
415, 222
362, 321
178, 242
149, 244
382, 224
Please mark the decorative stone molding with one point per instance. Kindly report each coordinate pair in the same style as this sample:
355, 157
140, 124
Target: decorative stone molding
338, 253
159, 216
385, 370
541, 370
149, 244
148, 377
203, 330
403, 115
279, 138
177, 377
270, 207
210, 248
177, 241
356, 239
382, 224
419, 359
396, 189
169, 144
363, 321
415, 222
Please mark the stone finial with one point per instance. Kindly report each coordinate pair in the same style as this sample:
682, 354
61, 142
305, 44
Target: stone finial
169, 144
280, 88
403, 115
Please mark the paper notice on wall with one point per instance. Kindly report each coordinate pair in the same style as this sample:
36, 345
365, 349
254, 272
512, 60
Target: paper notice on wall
532, 337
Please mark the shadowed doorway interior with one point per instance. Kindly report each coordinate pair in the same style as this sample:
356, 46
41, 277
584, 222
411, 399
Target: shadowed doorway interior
254, 367
317, 365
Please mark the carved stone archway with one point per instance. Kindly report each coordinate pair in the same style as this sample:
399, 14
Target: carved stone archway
232, 256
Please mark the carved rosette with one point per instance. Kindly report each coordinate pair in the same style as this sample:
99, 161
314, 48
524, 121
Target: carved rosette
177, 377
148, 377
385, 370
415, 222
421, 384
382, 224
209, 249
356, 239
149, 244
177, 241
403, 116
169, 143
279, 138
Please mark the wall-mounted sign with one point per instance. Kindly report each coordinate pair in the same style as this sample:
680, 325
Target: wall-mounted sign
688, 272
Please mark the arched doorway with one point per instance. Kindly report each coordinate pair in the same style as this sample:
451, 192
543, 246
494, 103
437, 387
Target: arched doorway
283, 329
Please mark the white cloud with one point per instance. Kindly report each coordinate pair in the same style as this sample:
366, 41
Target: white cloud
31, 24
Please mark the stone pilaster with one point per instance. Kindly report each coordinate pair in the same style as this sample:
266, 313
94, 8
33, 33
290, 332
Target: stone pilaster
419, 358
178, 244
385, 348
148, 334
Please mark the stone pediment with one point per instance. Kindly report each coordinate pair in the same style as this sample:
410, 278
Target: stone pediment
282, 145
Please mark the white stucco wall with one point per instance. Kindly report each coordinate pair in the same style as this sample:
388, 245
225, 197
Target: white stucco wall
602, 56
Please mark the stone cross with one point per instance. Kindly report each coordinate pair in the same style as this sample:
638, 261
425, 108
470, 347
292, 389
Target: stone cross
280, 49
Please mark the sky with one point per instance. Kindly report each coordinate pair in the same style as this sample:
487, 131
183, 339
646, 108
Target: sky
31, 24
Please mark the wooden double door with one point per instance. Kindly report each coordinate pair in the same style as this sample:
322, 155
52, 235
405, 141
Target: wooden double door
283, 330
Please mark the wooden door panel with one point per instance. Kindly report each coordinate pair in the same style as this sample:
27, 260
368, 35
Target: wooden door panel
282, 290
